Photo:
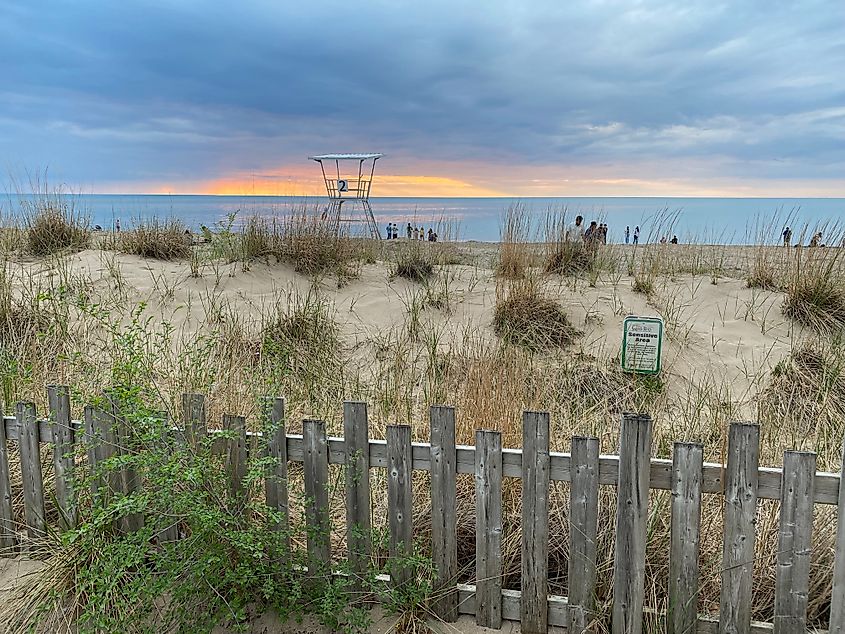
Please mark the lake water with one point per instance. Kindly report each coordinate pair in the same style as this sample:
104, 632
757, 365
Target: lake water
729, 220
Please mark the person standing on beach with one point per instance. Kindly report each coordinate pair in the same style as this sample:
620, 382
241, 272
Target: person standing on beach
395, 231
410, 230
636, 234
787, 236
117, 225
627, 234
575, 232
388, 230
422, 233
416, 233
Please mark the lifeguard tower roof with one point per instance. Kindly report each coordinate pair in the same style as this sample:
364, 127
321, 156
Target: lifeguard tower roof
345, 157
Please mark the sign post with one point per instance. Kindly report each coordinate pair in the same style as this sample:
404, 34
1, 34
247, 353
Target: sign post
642, 344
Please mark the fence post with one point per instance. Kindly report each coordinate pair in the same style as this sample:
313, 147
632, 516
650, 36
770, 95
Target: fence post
276, 478
631, 523
534, 601
837, 598
357, 471
740, 515
794, 542
488, 528
583, 529
33, 483
7, 526
130, 482
687, 462
236, 457
444, 544
58, 398
193, 418
171, 439
400, 503
316, 475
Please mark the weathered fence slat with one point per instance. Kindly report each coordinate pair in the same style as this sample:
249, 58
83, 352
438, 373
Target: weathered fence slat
837, 598
400, 504
444, 543
58, 398
583, 530
740, 514
357, 473
236, 457
33, 482
488, 528
631, 524
276, 478
534, 617
7, 526
794, 542
685, 537
169, 525
91, 441
193, 418
316, 468
130, 481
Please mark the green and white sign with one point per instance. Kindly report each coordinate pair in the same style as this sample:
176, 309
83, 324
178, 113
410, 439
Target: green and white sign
642, 344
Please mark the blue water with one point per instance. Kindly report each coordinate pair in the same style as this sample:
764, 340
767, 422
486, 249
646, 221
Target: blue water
729, 220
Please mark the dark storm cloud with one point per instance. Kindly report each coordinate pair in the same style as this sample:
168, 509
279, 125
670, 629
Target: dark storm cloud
134, 91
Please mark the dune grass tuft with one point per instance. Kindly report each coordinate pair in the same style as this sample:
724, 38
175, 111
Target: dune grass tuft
414, 261
526, 316
157, 239
53, 225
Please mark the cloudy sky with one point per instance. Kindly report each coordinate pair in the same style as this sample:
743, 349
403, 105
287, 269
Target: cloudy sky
518, 98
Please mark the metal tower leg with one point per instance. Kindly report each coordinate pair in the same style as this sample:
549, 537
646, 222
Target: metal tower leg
371, 220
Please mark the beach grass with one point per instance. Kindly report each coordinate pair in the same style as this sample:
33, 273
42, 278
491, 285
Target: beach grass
492, 340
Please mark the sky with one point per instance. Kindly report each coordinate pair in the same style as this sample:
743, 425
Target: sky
496, 98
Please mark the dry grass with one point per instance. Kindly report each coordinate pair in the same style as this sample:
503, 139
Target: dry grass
53, 225
157, 239
414, 261
526, 316
515, 253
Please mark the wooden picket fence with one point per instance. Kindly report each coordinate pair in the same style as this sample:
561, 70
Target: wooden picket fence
741, 482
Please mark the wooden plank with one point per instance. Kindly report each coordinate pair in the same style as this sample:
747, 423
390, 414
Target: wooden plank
32, 478
276, 478
236, 458
193, 419
556, 607
837, 597
400, 505
685, 538
169, 524
444, 542
8, 537
583, 530
130, 480
316, 475
740, 514
631, 524
357, 477
792, 584
91, 441
488, 528
535, 523
58, 399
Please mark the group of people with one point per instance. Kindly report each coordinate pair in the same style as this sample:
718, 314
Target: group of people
815, 241
596, 233
411, 232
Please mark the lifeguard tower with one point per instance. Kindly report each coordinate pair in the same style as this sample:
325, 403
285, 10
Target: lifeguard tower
348, 188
